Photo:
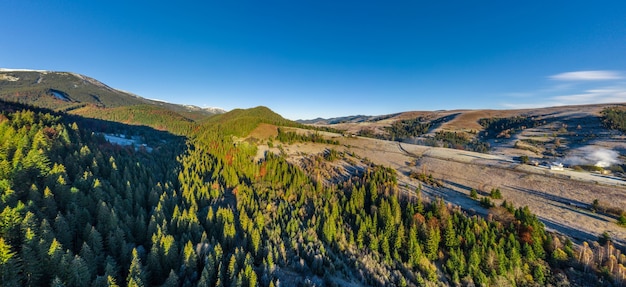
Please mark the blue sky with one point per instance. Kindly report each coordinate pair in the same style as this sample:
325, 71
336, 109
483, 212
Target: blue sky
305, 59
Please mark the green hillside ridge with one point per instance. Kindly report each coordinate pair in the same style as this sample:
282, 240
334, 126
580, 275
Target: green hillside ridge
240, 122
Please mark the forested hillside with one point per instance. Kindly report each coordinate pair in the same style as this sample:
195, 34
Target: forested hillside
70, 91
155, 117
77, 210
240, 122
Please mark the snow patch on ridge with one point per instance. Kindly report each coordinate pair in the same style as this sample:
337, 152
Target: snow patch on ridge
9, 78
21, 70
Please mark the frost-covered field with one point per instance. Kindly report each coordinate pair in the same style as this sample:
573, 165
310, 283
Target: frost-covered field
124, 141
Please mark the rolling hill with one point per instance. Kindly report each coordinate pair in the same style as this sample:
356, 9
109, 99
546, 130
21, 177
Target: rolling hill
240, 122
551, 133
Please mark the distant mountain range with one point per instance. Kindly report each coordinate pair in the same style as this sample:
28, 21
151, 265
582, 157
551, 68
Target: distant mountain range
346, 119
69, 91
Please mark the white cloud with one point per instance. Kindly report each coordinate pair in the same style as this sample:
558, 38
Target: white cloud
587, 76
595, 96
573, 88
604, 95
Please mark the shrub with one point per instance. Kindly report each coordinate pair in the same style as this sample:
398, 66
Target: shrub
622, 219
524, 159
604, 238
495, 193
474, 194
486, 202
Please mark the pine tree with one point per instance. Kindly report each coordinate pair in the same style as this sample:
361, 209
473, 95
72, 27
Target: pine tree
135, 277
31, 261
385, 248
256, 240
415, 250
432, 242
111, 282
172, 280
104, 281
62, 231
451, 241
538, 274
79, 273
206, 277
90, 259
399, 243
250, 276
232, 268
420, 203
10, 221
56, 282
9, 265
190, 257
473, 264
110, 268
55, 255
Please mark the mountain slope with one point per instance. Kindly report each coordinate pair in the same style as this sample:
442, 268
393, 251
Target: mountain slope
68, 91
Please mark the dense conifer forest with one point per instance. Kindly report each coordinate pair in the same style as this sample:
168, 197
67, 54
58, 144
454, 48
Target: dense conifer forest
77, 210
